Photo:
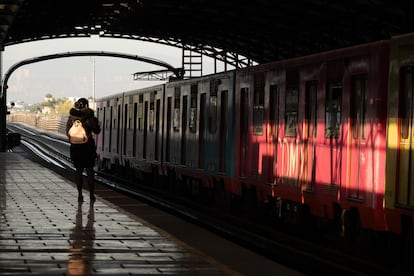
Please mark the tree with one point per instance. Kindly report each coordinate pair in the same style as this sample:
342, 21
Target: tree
63, 107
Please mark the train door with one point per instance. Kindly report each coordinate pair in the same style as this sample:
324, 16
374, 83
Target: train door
104, 128
115, 127
134, 142
290, 150
140, 127
258, 151
111, 110
274, 94
244, 129
309, 134
118, 129
331, 161
125, 128
223, 131
202, 127
175, 149
290, 159
405, 177
358, 147
168, 130
157, 129
151, 128
184, 132
145, 136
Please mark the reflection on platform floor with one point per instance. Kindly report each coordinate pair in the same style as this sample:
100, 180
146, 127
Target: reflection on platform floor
44, 231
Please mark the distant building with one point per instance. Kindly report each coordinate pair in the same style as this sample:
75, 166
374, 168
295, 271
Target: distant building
73, 99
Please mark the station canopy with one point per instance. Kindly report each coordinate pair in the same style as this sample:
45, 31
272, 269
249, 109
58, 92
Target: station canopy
259, 30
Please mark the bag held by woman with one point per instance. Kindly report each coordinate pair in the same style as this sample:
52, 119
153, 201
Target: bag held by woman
77, 133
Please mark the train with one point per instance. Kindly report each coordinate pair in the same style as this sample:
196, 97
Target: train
327, 136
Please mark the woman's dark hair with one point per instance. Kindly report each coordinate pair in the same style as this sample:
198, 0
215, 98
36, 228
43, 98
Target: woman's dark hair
82, 103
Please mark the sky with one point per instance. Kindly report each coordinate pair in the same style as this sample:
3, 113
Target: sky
76, 76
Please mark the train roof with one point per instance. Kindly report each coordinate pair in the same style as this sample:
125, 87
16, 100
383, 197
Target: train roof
320, 58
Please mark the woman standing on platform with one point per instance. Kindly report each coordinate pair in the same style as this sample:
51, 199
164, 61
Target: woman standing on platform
83, 154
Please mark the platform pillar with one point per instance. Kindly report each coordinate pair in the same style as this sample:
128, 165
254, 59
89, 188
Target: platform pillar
3, 111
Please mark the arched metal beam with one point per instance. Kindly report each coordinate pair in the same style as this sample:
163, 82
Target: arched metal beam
179, 73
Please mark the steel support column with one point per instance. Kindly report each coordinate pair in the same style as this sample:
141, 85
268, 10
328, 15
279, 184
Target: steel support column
3, 112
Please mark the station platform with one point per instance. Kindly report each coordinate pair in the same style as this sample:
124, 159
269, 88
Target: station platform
44, 231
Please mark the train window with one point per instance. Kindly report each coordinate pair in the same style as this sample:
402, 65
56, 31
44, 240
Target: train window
291, 111
333, 109
212, 118
311, 106
168, 134
134, 143
274, 110
151, 116
184, 117
157, 129
125, 126
176, 114
358, 106
145, 131
130, 118
223, 131
244, 130
406, 98
141, 112
110, 128
130, 114
114, 117
212, 121
118, 128
106, 121
193, 108
258, 104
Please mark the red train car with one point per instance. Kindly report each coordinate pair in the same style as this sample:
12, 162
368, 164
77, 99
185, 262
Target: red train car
312, 133
327, 136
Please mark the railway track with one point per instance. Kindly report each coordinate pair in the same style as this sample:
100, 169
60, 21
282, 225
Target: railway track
310, 257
